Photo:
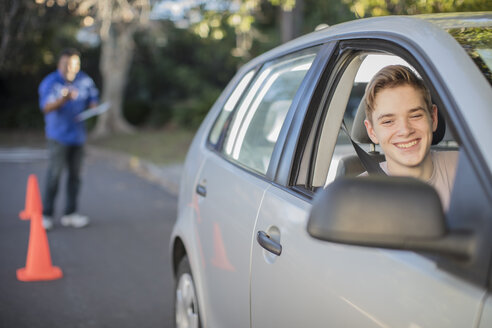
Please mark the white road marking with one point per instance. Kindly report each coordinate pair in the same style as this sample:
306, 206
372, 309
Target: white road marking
22, 155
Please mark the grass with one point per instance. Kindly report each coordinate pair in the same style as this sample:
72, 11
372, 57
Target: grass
165, 146
162, 146
18, 138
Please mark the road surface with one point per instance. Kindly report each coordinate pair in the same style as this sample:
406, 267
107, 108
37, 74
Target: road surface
116, 270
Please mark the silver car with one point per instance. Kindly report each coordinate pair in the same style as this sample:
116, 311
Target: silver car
267, 187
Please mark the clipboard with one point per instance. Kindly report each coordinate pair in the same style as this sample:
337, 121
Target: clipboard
88, 113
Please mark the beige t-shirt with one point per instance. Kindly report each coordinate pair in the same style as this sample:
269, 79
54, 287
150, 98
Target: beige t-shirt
442, 178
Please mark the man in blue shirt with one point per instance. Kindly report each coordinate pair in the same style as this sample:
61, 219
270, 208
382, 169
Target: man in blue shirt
63, 95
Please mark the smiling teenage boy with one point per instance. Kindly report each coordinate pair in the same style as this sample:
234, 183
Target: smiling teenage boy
401, 119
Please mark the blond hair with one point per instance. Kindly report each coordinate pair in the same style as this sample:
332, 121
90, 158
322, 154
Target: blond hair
391, 77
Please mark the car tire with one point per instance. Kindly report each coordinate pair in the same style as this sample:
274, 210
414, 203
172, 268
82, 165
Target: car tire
186, 308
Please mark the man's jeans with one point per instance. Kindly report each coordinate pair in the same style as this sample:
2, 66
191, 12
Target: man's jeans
59, 156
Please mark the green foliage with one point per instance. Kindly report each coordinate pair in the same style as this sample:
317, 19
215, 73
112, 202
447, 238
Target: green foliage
35, 35
365, 8
177, 75
286, 5
474, 40
190, 112
24, 116
136, 111
329, 12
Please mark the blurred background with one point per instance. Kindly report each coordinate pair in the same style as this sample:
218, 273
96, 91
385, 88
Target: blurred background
160, 63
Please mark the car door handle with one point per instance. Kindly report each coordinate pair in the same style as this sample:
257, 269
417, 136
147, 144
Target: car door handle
201, 190
268, 243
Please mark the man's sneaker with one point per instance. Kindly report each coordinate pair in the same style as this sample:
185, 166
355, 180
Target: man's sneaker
74, 220
47, 222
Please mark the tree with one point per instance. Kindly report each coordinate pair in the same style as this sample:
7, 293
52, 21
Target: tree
241, 16
116, 22
23, 27
10, 14
291, 18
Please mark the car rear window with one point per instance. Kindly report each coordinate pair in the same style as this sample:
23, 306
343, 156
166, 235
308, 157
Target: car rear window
477, 42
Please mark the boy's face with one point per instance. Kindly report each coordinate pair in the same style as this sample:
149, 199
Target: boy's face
403, 126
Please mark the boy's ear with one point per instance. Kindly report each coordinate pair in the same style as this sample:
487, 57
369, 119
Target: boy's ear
370, 131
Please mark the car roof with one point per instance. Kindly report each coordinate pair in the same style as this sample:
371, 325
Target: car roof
413, 27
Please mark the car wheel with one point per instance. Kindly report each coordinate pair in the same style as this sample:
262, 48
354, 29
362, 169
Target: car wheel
185, 301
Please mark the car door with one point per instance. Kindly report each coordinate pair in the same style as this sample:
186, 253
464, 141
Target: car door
319, 284
232, 181
486, 320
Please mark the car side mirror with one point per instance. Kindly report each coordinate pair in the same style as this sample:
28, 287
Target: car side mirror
387, 212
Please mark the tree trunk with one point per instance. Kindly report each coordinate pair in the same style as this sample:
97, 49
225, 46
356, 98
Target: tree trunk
116, 57
291, 22
7, 15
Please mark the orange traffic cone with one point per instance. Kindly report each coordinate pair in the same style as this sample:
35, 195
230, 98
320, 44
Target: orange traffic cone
38, 262
33, 199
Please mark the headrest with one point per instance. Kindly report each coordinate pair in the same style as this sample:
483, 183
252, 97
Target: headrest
359, 132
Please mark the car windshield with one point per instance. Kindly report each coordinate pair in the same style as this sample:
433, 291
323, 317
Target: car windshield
477, 42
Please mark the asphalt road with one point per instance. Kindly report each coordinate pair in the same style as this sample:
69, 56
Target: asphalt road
116, 270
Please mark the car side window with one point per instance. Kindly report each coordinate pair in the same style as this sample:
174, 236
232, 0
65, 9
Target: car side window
229, 106
258, 117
